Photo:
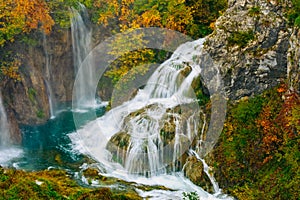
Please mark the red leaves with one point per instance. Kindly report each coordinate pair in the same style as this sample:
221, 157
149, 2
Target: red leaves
278, 126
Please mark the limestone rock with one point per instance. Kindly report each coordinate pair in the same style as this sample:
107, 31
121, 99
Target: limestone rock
250, 47
294, 60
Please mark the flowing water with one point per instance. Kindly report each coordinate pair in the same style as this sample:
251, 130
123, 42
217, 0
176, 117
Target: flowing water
4, 127
7, 151
48, 78
82, 44
132, 141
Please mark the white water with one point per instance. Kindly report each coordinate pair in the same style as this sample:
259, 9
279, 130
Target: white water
4, 127
7, 151
147, 160
48, 78
81, 42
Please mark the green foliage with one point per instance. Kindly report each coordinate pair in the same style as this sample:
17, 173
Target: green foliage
32, 94
190, 196
259, 147
205, 13
297, 21
26, 39
254, 11
293, 13
240, 38
40, 114
54, 184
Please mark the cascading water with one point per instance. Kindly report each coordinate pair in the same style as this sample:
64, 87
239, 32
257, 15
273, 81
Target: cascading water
4, 127
81, 42
7, 150
146, 136
48, 78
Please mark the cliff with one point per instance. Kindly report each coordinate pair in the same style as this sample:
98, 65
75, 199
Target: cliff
250, 45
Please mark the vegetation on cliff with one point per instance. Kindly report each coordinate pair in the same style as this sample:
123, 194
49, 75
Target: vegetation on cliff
257, 156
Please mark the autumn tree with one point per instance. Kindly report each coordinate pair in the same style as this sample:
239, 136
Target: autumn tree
17, 17
22, 16
185, 16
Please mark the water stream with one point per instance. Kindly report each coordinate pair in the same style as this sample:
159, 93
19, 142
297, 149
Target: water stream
82, 44
48, 78
7, 151
4, 127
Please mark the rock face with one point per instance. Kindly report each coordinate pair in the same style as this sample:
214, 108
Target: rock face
294, 61
28, 99
59, 48
194, 170
250, 46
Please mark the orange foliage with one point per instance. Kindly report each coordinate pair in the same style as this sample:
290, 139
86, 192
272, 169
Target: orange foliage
172, 14
11, 70
35, 13
276, 125
18, 16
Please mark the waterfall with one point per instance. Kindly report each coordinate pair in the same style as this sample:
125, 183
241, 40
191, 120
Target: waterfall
4, 127
143, 139
150, 151
206, 170
81, 42
48, 78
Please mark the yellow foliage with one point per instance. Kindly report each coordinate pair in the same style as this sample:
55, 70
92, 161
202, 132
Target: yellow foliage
10, 69
18, 16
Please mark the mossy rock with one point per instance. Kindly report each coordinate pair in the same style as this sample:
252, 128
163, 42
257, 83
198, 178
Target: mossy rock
118, 146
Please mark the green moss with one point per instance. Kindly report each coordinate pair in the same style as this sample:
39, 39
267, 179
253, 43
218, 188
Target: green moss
240, 38
293, 14
32, 94
40, 114
190, 196
51, 184
254, 10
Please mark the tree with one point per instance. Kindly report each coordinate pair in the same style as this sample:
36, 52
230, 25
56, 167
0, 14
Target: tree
22, 16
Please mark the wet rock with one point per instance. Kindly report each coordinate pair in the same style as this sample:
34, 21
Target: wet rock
194, 171
118, 146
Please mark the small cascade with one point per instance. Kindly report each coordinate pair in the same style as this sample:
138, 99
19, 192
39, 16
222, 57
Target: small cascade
48, 78
82, 44
206, 170
4, 126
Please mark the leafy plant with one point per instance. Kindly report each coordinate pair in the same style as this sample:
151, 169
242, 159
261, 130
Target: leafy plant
190, 196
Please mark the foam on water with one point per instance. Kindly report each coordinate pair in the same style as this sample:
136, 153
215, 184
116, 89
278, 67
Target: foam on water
7, 154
